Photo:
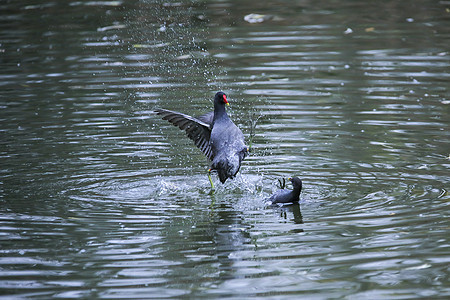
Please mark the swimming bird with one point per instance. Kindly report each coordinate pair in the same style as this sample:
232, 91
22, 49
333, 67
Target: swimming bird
284, 196
215, 135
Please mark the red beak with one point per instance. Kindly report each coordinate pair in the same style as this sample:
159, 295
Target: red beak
225, 99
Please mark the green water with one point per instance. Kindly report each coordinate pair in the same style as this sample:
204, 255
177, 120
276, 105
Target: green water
99, 198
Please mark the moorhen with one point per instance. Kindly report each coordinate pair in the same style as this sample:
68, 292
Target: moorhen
215, 135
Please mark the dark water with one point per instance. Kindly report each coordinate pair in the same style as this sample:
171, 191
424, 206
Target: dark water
102, 199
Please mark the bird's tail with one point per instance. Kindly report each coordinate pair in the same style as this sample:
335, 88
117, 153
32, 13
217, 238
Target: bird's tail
225, 169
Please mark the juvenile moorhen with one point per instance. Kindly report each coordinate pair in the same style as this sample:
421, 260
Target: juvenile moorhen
284, 196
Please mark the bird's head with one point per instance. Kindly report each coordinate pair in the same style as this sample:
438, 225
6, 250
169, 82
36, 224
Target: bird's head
221, 98
296, 182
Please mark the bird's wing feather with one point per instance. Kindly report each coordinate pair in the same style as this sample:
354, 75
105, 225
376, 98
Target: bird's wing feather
196, 130
207, 118
281, 196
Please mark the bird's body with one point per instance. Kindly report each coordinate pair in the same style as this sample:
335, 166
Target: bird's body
227, 143
215, 134
284, 196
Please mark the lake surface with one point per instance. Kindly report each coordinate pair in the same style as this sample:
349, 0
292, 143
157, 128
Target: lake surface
101, 199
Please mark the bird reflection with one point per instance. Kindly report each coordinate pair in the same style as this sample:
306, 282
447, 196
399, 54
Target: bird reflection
219, 234
285, 212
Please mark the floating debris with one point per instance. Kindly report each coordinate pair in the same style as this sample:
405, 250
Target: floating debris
348, 31
257, 18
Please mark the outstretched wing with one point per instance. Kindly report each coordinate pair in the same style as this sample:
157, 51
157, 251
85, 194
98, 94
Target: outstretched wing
196, 130
207, 118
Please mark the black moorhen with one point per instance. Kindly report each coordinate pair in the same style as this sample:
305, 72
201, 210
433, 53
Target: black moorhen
216, 136
284, 196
